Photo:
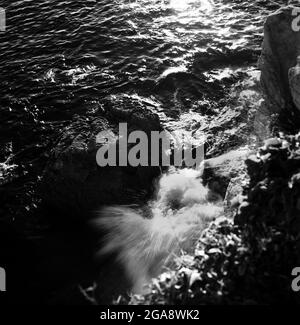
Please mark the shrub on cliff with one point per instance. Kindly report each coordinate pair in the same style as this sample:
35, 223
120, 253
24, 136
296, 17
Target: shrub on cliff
249, 260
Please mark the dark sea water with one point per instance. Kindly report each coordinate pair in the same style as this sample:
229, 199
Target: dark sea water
60, 59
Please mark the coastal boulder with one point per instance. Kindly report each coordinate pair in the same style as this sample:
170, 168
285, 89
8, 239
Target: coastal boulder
75, 184
221, 171
281, 47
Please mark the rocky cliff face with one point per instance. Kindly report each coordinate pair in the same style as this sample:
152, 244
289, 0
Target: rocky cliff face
294, 80
281, 47
274, 193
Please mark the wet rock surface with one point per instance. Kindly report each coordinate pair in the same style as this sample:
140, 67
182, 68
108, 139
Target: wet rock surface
220, 171
294, 74
274, 188
281, 47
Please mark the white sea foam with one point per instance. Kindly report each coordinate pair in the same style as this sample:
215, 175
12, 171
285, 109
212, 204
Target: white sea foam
144, 246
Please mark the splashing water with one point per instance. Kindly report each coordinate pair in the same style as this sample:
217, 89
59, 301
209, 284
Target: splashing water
144, 246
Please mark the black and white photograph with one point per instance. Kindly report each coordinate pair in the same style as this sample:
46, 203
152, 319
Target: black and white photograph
149, 155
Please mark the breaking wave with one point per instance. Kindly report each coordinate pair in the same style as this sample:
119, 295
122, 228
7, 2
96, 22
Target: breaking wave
145, 246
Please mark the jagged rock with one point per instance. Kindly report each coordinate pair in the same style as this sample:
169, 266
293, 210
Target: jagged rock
274, 188
272, 204
281, 47
294, 79
73, 183
218, 172
234, 193
238, 124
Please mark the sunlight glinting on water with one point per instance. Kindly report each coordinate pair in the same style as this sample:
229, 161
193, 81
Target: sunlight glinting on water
182, 5
179, 4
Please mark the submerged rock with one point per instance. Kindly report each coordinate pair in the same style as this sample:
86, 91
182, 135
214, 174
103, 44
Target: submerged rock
73, 182
281, 47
